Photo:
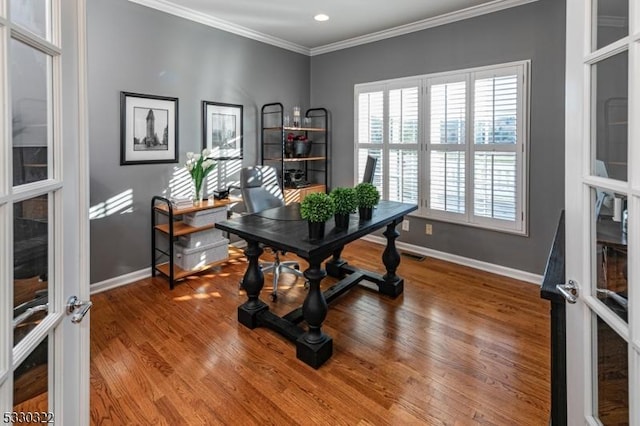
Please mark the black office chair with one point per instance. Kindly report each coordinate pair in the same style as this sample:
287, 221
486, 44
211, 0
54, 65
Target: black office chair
260, 191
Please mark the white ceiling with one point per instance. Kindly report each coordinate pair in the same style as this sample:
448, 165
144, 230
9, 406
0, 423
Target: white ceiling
290, 23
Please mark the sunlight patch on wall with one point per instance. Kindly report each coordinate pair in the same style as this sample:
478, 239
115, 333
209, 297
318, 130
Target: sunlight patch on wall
180, 184
121, 203
226, 173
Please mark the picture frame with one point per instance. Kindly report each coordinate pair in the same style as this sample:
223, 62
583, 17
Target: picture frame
222, 130
148, 129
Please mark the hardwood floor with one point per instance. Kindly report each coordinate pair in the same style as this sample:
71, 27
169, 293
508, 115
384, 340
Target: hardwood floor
459, 347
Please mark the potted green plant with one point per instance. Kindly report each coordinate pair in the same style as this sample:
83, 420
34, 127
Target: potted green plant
316, 208
346, 202
199, 166
368, 196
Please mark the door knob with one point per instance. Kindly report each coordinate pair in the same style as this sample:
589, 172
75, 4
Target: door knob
82, 307
569, 291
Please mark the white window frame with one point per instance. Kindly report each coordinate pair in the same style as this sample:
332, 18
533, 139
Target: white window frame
424, 82
385, 146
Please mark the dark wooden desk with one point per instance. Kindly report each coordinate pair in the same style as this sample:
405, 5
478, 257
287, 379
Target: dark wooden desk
610, 233
282, 229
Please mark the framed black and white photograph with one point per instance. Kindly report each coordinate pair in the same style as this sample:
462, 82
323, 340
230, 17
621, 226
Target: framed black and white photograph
148, 129
222, 129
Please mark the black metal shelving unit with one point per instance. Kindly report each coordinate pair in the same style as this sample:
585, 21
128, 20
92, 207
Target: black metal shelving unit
172, 227
315, 166
168, 251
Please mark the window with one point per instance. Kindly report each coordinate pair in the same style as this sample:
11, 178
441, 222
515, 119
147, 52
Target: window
454, 143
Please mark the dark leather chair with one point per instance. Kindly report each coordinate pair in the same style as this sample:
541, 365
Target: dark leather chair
370, 169
261, 191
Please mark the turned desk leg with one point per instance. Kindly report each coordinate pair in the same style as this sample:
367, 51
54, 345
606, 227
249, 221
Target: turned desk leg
393, 285
333, 266
252, 283
314, 347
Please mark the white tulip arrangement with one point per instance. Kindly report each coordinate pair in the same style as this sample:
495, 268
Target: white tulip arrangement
199, 166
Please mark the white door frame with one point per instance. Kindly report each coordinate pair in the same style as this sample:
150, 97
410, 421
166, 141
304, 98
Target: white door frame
73, 406
69, 248
579, 206
574, 113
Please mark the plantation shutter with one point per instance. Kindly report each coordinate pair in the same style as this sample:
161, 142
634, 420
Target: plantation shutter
403, 144
370, 122
370, 118
455, 143
495, 137
447, 166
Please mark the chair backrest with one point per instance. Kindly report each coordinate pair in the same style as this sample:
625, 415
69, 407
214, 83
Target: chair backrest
260, 188
370, 169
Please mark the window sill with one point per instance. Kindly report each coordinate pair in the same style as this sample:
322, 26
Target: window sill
516, 232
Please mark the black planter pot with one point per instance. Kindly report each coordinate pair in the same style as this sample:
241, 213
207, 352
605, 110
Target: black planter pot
316, 230
342, 220
365, 213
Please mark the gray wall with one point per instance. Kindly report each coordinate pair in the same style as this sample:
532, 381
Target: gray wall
535, 31
136, 49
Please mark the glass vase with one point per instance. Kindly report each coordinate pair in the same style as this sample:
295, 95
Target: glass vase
197, 191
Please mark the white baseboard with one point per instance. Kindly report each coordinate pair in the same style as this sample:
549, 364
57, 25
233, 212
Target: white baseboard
115, 282
465, 261
483, 266
132, 277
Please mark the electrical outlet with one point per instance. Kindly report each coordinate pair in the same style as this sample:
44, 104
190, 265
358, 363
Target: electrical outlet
428, 229
405, 225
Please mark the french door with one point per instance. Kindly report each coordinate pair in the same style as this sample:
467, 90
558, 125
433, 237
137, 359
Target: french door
603, 211
44, 354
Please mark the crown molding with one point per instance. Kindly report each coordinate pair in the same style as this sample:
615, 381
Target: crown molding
424, 24
208, 20
168, 7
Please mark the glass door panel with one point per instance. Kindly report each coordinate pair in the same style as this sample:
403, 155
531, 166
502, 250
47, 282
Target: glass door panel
610, 119
612, 388
31, 112
33, 15
609, 249
30, 265
31, 387
610, 22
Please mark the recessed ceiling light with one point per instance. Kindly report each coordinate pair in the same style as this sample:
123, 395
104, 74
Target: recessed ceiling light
321, 17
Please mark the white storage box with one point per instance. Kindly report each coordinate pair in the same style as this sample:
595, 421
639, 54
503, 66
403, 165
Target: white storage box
191, 259
206, 217
202, 238
162, 240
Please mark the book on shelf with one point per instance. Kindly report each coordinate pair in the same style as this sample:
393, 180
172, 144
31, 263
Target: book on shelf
181, 202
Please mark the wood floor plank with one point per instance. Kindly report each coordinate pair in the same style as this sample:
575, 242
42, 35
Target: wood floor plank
459, 347
104, 410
